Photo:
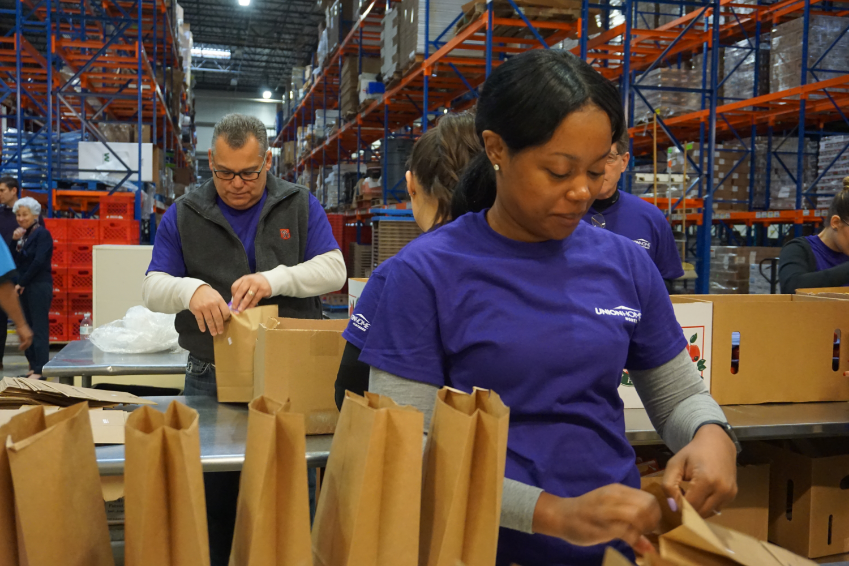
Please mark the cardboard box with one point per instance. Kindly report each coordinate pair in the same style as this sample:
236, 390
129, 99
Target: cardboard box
809, 495
102, 161
749, 512
298, 360
777, 363
696, 320
355, 291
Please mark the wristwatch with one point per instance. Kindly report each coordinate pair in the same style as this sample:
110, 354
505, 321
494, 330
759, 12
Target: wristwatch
728, 430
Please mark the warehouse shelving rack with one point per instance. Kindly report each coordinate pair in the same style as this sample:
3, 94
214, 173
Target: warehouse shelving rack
626, 52
72, 66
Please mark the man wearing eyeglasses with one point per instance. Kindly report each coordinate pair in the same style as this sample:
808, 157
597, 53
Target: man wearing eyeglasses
241, 239
630, 216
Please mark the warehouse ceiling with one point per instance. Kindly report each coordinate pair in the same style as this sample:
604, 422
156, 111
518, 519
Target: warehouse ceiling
265, 40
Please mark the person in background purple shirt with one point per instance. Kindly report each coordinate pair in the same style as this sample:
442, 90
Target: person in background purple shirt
241, 239
8, 225
630, 216
819, 260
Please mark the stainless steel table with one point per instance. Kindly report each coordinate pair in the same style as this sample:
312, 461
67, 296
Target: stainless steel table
223, 429
84, 359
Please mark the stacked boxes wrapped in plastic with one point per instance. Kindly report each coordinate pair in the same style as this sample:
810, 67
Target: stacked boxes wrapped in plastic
349, 89
411, 28
782, 187
739, 84
737, 270
787, 40
390, 49
731, 166
831, 182
670, 103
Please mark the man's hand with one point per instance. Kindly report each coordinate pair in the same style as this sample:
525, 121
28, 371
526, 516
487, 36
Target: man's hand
709, 463
24, 336
209, 309
18, 233
248, 291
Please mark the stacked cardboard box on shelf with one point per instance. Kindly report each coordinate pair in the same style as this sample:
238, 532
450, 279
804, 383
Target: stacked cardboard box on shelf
389, 237
731, 165
731, 270
782, 187
832, 180
390, 48
411, 28
787, 40
349, 90
669, 103
740, 83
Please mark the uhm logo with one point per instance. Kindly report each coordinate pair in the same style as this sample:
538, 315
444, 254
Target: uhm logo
628, 314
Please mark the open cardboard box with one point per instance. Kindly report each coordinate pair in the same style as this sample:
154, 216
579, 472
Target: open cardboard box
355, 291
696, 320
298, 360
809, 494
786, 345
688, 540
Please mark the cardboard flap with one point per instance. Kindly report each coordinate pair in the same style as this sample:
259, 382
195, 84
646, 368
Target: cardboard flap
307, 324
613, 558
17, 391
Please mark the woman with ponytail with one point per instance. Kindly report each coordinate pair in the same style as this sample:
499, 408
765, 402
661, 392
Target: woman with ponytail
820, 260
435, 166
525, 299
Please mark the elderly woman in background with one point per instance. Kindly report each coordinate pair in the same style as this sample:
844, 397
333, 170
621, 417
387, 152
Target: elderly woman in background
33, 253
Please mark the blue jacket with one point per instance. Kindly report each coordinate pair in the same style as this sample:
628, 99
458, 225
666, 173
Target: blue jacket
33, 259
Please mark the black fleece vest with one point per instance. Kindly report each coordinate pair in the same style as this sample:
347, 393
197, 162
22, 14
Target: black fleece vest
213, 252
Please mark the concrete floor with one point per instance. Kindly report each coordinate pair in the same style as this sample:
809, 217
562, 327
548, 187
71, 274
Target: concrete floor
14, 362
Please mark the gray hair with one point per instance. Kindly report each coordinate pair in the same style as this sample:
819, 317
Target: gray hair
237, 130
27, 202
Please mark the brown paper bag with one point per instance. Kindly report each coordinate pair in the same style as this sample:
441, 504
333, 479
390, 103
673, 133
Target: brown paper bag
688, 540
59, 509
368, 509
463, 476
164, 505
273, 512
234, 354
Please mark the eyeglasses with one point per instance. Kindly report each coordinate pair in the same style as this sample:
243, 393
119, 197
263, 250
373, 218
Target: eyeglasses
613, 157
245, 175
599, 221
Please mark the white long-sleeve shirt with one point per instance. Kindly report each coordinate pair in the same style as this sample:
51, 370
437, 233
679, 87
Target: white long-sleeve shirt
322, 274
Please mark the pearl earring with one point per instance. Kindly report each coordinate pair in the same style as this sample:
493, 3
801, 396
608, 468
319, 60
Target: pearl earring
497, 167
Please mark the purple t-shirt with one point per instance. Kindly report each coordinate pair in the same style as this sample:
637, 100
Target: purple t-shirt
168, 249
825, 256
357, 330
549, 326
646, 225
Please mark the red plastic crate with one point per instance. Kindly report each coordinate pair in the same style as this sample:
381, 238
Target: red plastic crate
119, 232
61, 281
83, 231
59, 305
58, 228
80, 280
61, 258
79, 255
74, 321
79, 303
58, 328
115, 207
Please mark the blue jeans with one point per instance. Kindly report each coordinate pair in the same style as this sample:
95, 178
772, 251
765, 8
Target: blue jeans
221, 488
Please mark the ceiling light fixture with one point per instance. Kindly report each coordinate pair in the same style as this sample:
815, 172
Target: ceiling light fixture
244, 2
267, 94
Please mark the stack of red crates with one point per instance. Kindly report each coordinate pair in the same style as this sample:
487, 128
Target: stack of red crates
73, 277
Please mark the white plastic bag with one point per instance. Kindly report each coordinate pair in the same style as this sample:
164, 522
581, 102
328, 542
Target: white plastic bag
141, 331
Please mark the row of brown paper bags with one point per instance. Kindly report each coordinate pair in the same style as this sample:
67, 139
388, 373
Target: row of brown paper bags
381, 503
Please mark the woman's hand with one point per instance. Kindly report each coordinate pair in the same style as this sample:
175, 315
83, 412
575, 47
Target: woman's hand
709, 463
607, 513
18, 233
19, 289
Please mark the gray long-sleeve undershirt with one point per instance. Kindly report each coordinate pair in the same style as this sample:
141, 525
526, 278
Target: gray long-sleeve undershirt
674, 395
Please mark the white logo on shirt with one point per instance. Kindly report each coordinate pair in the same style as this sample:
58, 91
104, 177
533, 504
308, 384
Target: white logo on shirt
360, 322
643, 243
631, 315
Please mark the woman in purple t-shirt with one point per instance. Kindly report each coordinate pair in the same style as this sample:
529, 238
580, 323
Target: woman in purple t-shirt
525, 299
820, 260
436, 163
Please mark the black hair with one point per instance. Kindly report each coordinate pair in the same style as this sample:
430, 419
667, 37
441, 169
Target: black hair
10, 182
840, 204
524, 100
